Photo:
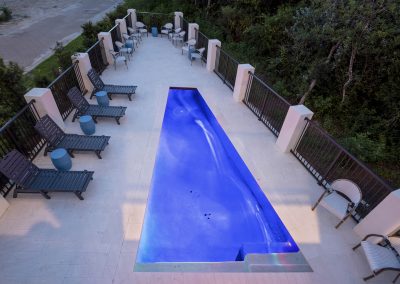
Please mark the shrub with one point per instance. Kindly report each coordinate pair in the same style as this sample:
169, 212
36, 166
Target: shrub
5, 14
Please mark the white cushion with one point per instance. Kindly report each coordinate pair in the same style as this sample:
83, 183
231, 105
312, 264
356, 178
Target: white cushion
336, 204
379, 257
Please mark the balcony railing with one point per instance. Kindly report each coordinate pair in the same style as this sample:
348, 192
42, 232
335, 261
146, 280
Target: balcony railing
128, 21
266, 104
97, 56
70, 78
226, 67
327, 161
115, 36
19, 133
154, 19
202, 41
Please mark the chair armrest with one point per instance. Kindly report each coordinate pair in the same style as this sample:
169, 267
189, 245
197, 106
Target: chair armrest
373, 235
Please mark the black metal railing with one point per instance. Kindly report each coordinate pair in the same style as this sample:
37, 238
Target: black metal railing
115, 36
154, 19
185, 27
327, 161
266, 104
226, 67
202, 41
128, 21
68, 79
19, 133
97, 56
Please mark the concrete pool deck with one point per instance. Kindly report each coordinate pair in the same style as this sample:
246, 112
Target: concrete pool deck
65, 240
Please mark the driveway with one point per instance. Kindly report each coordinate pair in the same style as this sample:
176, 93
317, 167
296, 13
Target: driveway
37, 25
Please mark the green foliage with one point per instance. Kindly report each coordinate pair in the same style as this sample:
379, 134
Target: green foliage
5, 14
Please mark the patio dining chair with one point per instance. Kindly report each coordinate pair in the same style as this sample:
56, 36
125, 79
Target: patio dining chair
57, 138
123, 49
29, 178
118, 57
84, 108
382, 256
135, 34
130, 41
166, 29
187, 45
142, 28
341, 199
178, 38
174, 33
99, 85
197, 54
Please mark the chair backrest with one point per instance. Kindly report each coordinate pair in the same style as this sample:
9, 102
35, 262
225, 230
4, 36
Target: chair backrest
395, 243
182, 34
348, 188
17, 168
48, 129
168, 26
125, 36
119, 44
95, 79
178, 30
140, 25
77, 100
131, 30
191, 42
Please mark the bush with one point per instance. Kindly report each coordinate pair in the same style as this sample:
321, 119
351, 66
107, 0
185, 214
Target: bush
5, 14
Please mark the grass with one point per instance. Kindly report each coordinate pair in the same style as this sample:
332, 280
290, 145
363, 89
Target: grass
48, 69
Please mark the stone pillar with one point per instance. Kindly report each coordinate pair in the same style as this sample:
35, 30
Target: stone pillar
192, 30
384, 219
84, 67
3, 205
133, 16
108, 45
178, 16
242, 79
293, 127
121, 26
45, 104
212, 53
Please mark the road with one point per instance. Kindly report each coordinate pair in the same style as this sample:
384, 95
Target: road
38, 25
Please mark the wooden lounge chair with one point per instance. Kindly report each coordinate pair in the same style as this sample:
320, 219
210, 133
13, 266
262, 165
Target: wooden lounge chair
383, 256
84, 108
56, 138
30, 179
110, 89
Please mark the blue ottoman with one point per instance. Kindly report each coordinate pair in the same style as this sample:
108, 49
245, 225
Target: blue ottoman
130, 44
102, 98
61, 159
87, 124
154, 31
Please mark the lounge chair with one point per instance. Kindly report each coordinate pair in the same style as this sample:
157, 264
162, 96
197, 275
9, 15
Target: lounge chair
30, 179
56, 138
110, 89
383, 256
84, 108
332, 199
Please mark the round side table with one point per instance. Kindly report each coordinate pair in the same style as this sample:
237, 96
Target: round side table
61, 159
102, 98
87, 124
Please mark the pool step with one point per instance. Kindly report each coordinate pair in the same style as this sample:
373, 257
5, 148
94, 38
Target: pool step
277, 262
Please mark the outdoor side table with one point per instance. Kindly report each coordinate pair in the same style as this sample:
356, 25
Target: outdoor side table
102, 98
154, 31
61, 159
87, 124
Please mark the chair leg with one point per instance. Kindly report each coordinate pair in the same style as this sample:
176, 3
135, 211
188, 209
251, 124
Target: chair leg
357, 246
117, 120
344, 219
318, 201
369, 277
130, 97
45, 195
395, 279
79, 195
98, 154
70, 152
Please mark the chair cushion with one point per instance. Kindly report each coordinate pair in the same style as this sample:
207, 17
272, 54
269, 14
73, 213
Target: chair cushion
336, 204
379, 257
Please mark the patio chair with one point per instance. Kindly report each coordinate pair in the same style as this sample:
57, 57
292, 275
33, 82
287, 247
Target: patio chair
187, 45
31, 179
198, 53
56, 138
122, 49
178, 38
135, 34
99, 85
166, 29
341, 199
84, 108
118, 57
142, 28
383, 256
130, 41
174, 33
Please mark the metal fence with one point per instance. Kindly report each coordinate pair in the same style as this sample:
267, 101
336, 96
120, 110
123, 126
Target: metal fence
185, 27
97, 56
128, 21
226, 67
202, 41
19, 133
327, 161
71, 77
154, 19
115, 36
267, 105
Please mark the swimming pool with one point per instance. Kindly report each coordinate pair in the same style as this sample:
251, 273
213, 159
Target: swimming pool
204, 204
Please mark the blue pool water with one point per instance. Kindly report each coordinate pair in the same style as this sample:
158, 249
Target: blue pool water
204, 204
